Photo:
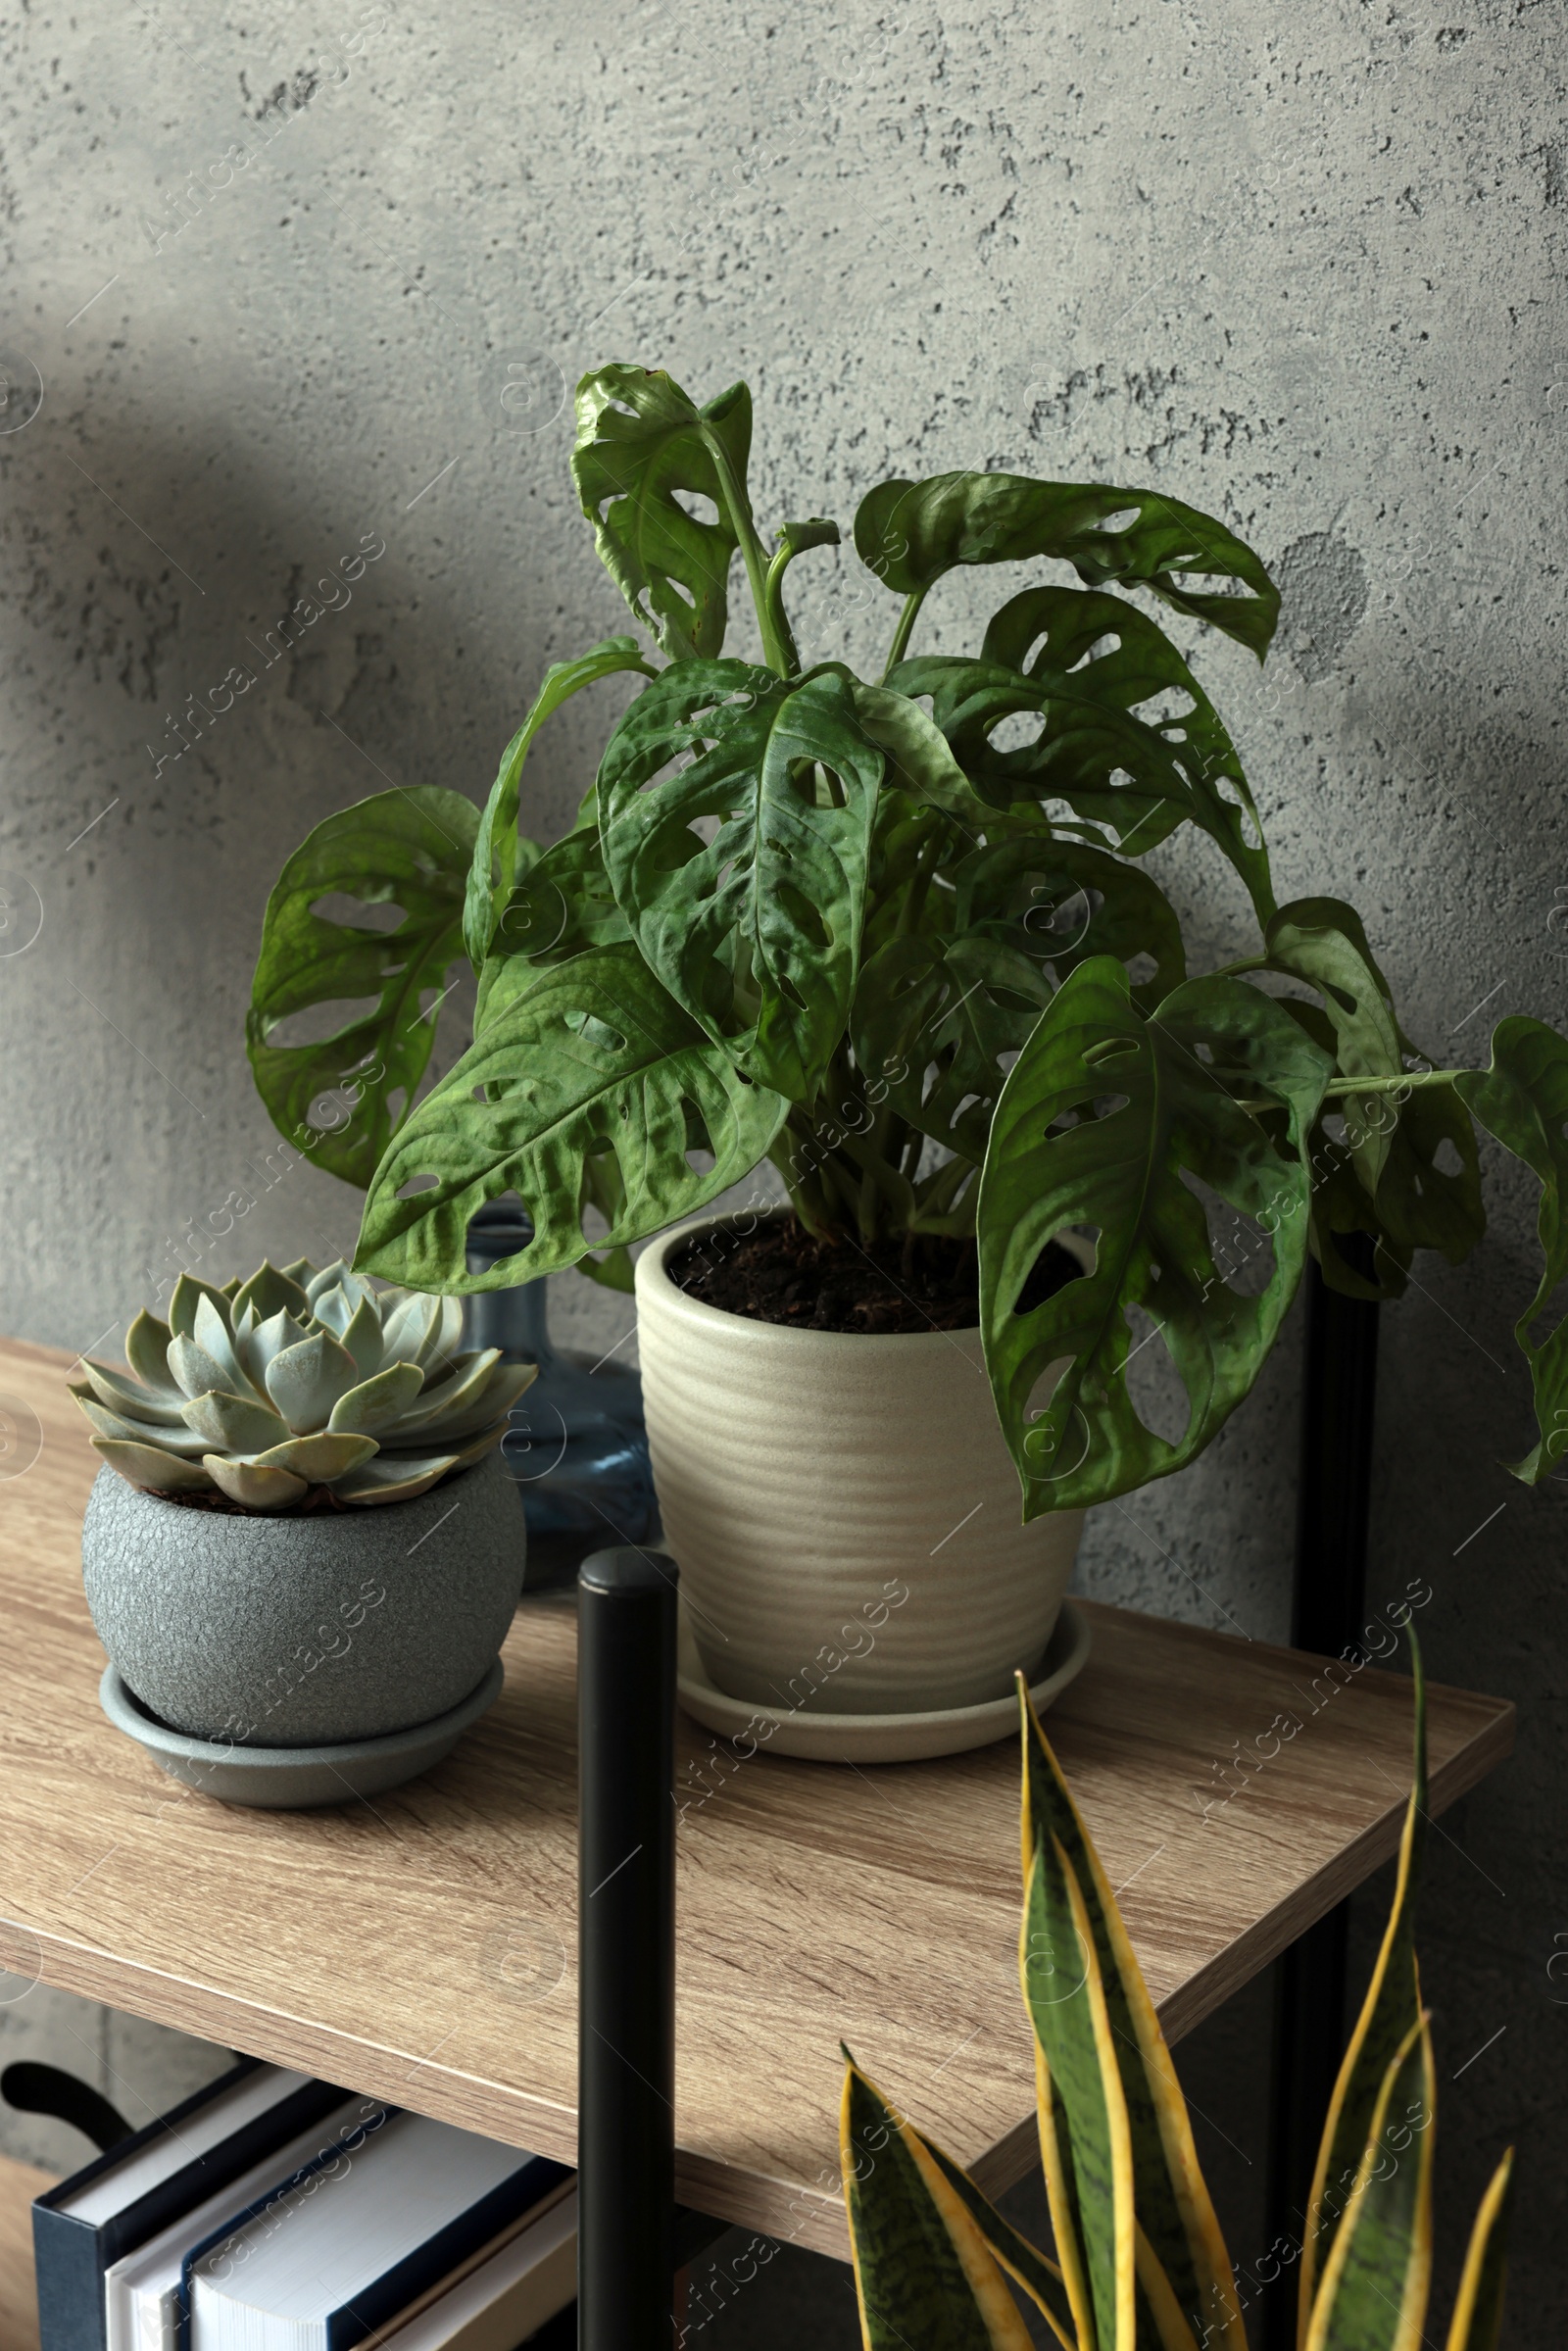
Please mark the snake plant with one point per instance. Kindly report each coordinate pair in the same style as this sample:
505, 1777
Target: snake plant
894, 933
1140, 2262
293, 1380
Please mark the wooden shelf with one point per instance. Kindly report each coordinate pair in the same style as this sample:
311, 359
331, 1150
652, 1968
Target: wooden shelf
422, 1948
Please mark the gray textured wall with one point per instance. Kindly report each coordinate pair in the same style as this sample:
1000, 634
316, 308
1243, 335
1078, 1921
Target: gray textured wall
1300, 265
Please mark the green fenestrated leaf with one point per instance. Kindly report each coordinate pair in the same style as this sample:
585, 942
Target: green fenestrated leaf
1136, 1106
1062, 901
495, 850
560, 907
934, 1018
920, 758
1127, 736
1390, 2013
1320, 940
910, 533
1477, 2309
923, 2274
1073, 1940
410, 849
1377, 2279
757, 933
1523, 1099
597, 1057
641, 447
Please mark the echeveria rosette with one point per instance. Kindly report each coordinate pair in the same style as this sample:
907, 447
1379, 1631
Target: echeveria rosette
299, 1378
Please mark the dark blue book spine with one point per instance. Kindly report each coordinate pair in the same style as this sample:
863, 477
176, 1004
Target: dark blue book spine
429, 2263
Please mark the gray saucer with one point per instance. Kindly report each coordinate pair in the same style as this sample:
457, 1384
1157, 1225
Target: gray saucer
289, 1778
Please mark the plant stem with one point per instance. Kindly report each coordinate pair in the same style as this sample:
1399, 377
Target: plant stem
778, 646
1411, 1077
901, 635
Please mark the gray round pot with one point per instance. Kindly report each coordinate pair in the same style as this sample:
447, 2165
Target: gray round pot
281, 1632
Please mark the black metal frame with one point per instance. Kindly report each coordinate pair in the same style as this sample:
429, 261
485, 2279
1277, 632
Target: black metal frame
1339, 1385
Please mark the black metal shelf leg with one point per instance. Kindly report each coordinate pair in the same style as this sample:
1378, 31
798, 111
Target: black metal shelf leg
1327, 1616
626, 1949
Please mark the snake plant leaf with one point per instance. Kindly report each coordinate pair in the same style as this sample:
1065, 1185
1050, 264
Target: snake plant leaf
643, 446
941, 1019
756, 932
1184, 2245
910, 533
152, 1469
238, 1423
1062, 901
369, 1407
1075, 1940
1126, 735
1390, 2013
322, 1458
410, 849
496, 847
1024, 2263
1080, 2085
1478, 2309
598, 1054
307, 1380
1102, 1118
559, 906
254, 1487
1522, 1099
147, 1354
924, 2276
1376, 2280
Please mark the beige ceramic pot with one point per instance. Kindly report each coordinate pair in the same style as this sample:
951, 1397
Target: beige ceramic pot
843, 1508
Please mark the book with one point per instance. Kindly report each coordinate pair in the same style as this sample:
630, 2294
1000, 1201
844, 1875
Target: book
141, 2290
115, 2203
357, 2236
507, 2292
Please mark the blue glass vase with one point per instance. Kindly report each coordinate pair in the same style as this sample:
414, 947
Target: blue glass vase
576, 1445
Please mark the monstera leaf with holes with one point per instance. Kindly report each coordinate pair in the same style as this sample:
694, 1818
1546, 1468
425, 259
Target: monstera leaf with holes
1138, 2261
896, 935
413, 850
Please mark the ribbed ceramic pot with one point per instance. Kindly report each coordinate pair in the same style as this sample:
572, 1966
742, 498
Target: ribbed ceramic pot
843, 1507
281, 1632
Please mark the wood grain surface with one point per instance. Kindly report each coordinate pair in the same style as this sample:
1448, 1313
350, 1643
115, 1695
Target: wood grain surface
19, 2299
421, 1948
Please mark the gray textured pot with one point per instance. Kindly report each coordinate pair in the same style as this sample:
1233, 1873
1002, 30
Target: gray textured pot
303, 1631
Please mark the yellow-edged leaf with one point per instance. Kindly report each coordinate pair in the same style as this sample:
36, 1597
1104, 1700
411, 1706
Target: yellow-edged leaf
1169, 2192
1025, 2264
925, 2278
1391, 2010
1061, 2196
1157, 2300
1478, 2312
1373, 2295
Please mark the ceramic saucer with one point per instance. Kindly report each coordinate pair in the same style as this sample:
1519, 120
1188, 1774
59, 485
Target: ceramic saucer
290, 1777
877, 1738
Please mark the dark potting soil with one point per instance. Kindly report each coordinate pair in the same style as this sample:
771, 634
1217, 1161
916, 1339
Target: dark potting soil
314, 1499
779, 1274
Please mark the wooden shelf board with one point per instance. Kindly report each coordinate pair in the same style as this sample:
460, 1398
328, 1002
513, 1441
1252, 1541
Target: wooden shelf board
422, 1948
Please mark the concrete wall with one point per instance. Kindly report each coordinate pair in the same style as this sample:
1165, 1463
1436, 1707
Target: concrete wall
1301, 266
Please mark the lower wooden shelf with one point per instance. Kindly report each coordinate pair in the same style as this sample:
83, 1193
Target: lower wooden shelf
421, 1948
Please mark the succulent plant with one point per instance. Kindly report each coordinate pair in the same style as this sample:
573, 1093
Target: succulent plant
296, 1379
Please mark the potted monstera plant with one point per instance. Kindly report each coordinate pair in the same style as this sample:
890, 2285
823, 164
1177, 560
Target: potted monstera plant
302, 1535
893, 935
